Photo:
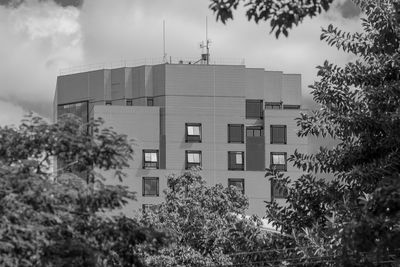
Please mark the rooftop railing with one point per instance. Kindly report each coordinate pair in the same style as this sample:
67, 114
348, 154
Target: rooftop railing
148, 61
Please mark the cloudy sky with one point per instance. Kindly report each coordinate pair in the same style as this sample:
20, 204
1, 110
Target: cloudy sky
38, 38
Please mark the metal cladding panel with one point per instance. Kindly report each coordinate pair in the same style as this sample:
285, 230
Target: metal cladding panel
138, 82
107, 85
255, 88
118, 83
128, 83
255, 153
80, 86
158, 79
205, 80
273, 86
291, 89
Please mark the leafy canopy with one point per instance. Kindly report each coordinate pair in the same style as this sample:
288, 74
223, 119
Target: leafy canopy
49, 220
282, 14
353, 219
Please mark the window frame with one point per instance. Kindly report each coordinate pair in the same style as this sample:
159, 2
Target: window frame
151, 164
282, 192
271, 133
235, 180
273, 105
149, 207
249, 116
144, 179
189, 165
279, 167
241, 131
193, 138
291, 106
236, 167
253, 129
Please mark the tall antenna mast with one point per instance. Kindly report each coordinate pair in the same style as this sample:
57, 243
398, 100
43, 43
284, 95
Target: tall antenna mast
206, 57
164, 53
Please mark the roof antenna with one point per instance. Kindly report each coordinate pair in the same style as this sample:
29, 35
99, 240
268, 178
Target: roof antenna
205, 58
164, 53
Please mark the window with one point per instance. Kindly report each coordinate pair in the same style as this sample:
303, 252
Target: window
236, 160
278, 191
149, 207
193, 132
238, 183
80, 109
235, 133
254, 131
193, 159
291, 106
254, 109
278, 134
278, 160
150, 159
150, 102
273, 105
129, 102
108, 103
150, 186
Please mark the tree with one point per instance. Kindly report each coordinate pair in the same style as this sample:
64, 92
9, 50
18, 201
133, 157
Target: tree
281, 14
48, 220
353, 220
207, 224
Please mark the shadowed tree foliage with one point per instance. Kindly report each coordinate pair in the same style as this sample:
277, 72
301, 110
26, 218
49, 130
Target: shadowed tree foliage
49, 220
282, 15
207, 224
353, 220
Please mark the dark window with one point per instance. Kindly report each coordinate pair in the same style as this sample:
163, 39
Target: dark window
236, 160
150, 159
193, 132
278, 191
254, 109
193, 159
129, 102
80, 109
278, 134
291, 106
278, 161
238, 183
235, 133
254, 131
273, 105
150, 102
149, 207
150, 186
108, 103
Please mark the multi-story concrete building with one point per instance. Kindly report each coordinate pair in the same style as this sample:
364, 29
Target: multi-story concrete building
230, 120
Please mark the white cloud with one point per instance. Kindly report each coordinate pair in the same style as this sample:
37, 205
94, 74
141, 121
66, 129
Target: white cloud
37, 39
10, 114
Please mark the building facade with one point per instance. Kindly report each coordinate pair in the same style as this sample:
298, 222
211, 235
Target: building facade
230, 120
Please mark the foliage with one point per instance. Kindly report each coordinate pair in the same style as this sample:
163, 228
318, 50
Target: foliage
59, 221
207, 224
355, 218
281, 14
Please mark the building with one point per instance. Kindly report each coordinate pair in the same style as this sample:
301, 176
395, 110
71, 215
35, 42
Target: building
231, 120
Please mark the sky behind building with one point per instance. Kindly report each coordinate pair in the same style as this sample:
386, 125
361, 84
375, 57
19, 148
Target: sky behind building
39, 38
